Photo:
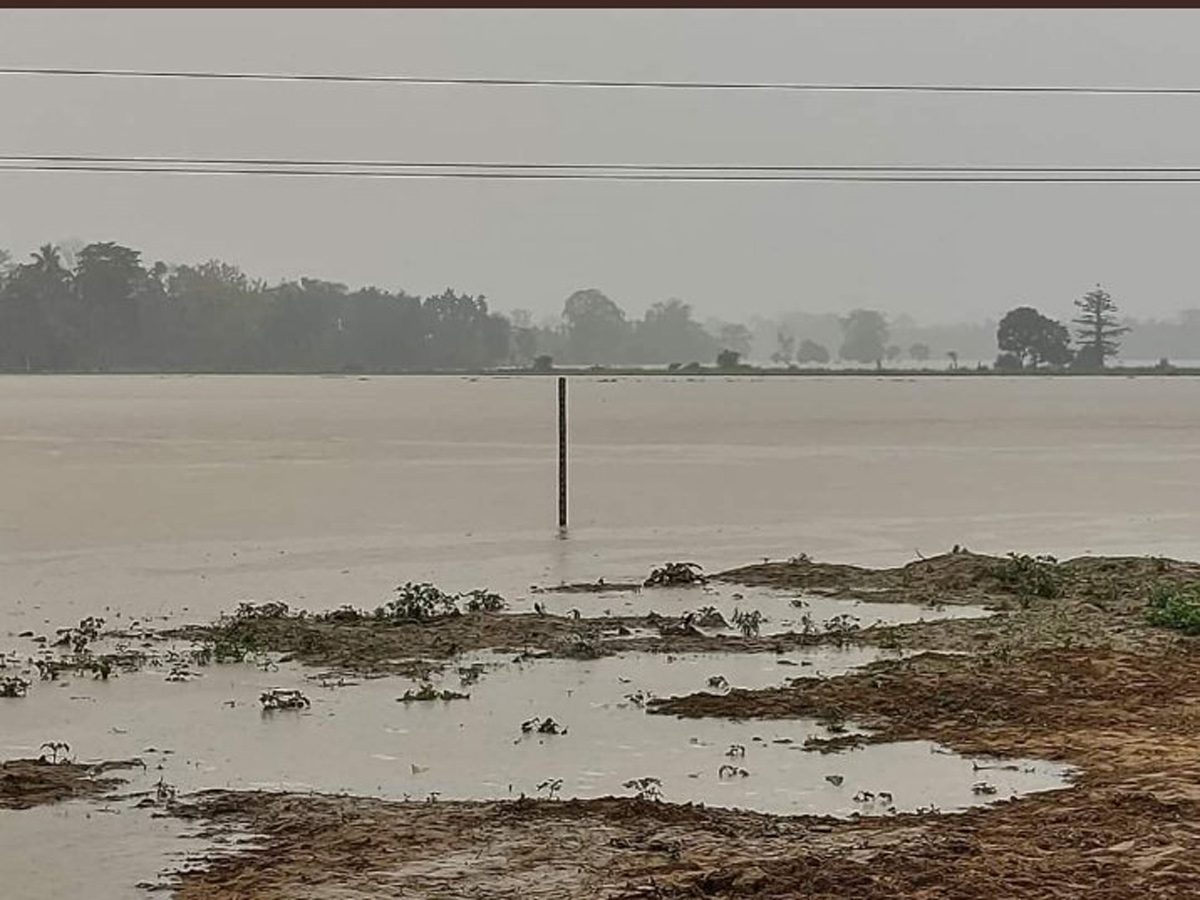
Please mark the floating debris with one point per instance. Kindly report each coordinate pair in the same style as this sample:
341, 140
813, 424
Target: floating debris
428, 692
283, 698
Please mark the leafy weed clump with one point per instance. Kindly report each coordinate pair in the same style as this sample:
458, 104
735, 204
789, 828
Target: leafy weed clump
748, 623
428, 692
1030, 576
425, 602
483, 601
675, 574
418, 603
1175, 606
13, 686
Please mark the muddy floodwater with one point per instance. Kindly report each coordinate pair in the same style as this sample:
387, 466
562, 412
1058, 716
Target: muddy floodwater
168, 500
162, 494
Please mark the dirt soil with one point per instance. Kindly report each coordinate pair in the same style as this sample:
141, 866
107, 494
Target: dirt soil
25, 783
1071, 672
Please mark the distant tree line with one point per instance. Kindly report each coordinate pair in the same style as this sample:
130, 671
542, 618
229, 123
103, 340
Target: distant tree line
99, 307
105, 310
102, 308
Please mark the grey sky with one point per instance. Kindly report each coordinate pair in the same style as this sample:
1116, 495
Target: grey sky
940, 253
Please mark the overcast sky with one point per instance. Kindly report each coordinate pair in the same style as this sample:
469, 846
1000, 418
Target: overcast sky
938, 252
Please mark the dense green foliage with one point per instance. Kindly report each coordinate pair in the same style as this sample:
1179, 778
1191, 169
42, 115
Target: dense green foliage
1175, 606
1030, 576
104, 309
1030, 339
108, 311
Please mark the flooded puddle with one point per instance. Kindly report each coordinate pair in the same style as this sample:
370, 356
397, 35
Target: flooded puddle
210, 731
112, 848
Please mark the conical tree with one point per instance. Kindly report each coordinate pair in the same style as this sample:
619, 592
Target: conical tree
1098, 328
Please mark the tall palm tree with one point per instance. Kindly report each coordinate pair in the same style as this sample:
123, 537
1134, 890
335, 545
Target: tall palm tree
47, 259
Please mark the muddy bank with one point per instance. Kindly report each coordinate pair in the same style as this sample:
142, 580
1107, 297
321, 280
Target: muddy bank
25, 783
1114, 844
1090, 601
1072, 671
364, 646
961, 576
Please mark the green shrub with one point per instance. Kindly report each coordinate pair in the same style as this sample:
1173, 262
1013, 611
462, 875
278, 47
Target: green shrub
483, 601
1030, 576
418, 603
1175, 606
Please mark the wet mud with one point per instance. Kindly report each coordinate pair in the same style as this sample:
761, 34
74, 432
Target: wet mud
1071, 671
26, 783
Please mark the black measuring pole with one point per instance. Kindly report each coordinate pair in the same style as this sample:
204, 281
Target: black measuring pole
562, 451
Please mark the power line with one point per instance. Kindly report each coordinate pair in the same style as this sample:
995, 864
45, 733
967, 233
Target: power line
914, 178
423, 80
585, 167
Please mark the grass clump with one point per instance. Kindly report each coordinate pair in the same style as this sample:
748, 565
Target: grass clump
1175, 606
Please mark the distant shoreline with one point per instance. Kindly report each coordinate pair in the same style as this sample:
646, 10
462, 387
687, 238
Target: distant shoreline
703, 372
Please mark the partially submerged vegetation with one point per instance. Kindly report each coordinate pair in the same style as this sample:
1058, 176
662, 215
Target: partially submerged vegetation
676, 574
1091, 663
427, 692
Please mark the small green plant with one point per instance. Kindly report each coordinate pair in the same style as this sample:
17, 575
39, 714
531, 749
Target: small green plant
226, 647
1030, 576
538, 725
551, 786
468, 675
163, 792
484, 601
48, 669
428, 692
101, 667
13, 686
56, 748
841, 626
639, 698
648, 788
710, 617
79, 637
748, 623
1175, 606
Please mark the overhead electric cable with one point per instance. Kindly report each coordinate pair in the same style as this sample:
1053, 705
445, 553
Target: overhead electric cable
480, 81
715, 168
329, 172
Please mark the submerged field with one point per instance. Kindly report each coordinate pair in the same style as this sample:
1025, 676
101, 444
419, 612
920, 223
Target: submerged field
963, 726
